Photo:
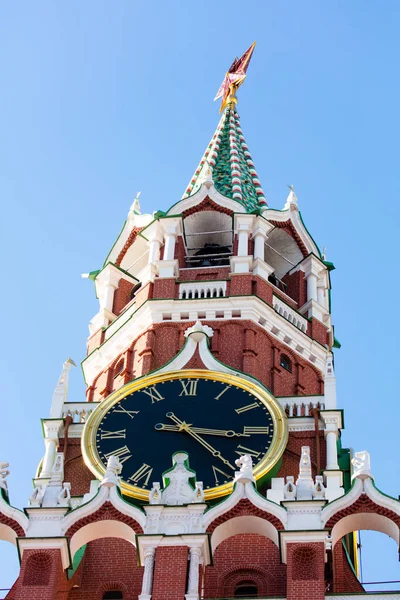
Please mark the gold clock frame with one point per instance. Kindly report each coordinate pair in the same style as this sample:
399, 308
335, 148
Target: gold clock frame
269, 460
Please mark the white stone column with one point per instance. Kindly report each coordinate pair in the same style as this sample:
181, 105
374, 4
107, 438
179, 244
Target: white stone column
193, 580
147, 583
243, 242
331, 450
242, 262
107, 299
311, 286
51, 429
321, 294
154, 250
259, 237
170, 240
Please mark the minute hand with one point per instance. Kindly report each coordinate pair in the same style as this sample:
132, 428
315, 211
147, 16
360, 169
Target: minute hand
203, 430
206, 445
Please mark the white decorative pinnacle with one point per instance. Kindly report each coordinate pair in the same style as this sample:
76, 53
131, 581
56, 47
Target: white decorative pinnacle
61, 391
291, 200
245, 474
199, 330
4, 472
206, 177
362, 465
111, 476
135, 208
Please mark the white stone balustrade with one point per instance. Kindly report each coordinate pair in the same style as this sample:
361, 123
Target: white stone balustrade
203, 289
298, 406
290, 314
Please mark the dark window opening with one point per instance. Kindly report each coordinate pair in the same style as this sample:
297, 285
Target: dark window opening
135, 288
246, 589
118, 368
285, 363
210, 255
113, 595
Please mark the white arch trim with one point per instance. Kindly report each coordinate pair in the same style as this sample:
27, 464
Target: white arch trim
101, 529
365, 521
8, 534
12, 513
244, 524
200, 195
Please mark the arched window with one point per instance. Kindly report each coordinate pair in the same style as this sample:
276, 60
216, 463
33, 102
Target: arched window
118, 368
285, 363
246, 589
113, 595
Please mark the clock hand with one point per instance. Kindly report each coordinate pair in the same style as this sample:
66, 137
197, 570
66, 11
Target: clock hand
185, 427
203, 430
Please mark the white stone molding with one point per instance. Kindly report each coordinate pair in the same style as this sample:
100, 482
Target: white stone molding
174, 520
46, 543
241, 492
200, 195
10, 512
4, 473
294, 217
305, 482
295, 405
132, 222
61, 391
302, 537
304, 515
202, 289
135, 321
343, 502
290, 314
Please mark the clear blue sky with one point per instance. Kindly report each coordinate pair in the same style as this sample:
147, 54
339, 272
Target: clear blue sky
102, 99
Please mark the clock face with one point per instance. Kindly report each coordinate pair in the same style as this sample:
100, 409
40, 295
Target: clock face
215, 418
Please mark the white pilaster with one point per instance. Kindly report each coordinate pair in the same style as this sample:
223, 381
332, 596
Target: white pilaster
330, 384
193, 580
147, 583
168, 267
242, 262
260, 235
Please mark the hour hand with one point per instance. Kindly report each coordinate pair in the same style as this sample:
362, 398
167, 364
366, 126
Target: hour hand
203, 430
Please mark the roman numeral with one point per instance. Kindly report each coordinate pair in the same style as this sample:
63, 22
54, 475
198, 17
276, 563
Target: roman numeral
251, 430
113, 435
245, 450
223, 392
153, 393
121, 409
144, 471
189, 388
216, 470
123, 454
248, 407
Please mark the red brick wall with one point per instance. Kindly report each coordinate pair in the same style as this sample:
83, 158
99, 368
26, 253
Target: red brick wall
245, 557
108, 564
305, 571
170, 572
344, 579
122, 296
239, 344
75, 470
41, 576
292, 454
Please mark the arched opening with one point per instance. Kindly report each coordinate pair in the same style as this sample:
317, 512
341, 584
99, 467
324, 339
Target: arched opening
100, 530
348, 570
246, 589
113, 595
285, 362
246, 524
9, 564
208, 239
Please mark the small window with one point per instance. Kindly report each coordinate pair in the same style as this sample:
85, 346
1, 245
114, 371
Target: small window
246, 589
135, 288
285, 363
118, 368
113, 595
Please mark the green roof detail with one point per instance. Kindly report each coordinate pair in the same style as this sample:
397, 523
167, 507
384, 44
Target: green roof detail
233, 170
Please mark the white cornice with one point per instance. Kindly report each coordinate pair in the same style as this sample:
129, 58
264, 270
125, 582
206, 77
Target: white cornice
137, 320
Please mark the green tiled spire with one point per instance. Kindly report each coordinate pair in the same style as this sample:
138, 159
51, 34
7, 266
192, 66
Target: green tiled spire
233, 170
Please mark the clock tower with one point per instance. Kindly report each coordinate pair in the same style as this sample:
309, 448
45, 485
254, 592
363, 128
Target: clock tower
206, 459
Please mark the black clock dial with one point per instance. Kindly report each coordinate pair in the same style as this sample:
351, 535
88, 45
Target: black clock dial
213, 421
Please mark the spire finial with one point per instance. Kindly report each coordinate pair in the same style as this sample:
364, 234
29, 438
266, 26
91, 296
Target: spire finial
135, 208
234, 78
291, 200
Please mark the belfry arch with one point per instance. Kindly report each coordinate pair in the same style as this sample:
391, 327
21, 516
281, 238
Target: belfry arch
364, 522
242, 525
101, 529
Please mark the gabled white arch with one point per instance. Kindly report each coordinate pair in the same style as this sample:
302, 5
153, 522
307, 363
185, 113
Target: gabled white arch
101, 529
243, 524
365, 521
10, 512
